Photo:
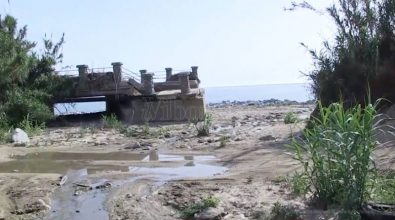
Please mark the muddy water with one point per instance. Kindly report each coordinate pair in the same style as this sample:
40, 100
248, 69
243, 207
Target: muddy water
86, 200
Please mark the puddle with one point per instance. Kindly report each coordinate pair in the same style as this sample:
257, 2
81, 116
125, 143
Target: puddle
82, 156
89, 204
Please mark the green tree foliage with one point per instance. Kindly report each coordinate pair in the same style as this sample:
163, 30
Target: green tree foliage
28, 81
362, 55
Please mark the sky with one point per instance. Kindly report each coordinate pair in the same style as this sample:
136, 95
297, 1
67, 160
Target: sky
234, 42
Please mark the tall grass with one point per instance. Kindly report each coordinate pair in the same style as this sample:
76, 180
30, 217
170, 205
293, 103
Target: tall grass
112, 122
203, 127
336, 155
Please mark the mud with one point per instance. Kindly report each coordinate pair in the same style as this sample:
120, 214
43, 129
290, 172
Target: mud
155, 173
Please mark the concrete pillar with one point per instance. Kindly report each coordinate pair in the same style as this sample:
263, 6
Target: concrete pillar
142, 72
169, 72
82, 73
148, 83
184, 82
117, 70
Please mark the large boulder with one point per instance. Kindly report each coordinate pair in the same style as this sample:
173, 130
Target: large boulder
20, 137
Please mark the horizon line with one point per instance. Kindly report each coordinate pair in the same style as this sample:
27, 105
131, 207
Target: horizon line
269, 84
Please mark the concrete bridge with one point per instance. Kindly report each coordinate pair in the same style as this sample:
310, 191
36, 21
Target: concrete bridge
140, 97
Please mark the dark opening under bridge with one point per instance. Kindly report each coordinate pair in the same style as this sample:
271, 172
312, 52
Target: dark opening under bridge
142, 97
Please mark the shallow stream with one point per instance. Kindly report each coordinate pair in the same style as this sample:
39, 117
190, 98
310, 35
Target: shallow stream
85, 191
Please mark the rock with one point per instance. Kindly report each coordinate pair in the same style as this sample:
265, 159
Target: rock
239, 139
267, 138
102, 186
20, 138
210, 214
134, 146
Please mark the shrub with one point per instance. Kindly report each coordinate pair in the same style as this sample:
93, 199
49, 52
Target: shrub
383, 188
206, 203
336, 155
282, 212
290, 118
203, 127
111, 121
361, 54
30, 127
223, 141
26, 103
299, 183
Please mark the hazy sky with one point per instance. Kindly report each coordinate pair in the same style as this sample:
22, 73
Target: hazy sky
234, 42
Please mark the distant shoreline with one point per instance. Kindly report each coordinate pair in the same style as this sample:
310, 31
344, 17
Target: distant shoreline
266, 102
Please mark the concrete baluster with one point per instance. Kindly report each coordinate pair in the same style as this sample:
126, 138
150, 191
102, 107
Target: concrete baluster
184, 83
117, 70
169, 73
148, 83
142, 72
194, 73
82, 73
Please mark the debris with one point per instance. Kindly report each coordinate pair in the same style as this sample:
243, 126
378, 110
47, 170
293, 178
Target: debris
63, 180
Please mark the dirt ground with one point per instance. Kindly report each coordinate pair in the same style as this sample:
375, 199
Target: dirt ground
250, 141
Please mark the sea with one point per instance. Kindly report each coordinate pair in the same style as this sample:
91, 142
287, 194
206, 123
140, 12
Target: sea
295, 92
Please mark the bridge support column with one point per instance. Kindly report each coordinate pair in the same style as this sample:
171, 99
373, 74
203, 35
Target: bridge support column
169, 73
184, 83
82, 73
148, 83
112, 105
117, 70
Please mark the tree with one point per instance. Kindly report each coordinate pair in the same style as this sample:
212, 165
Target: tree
27, 79
361, 59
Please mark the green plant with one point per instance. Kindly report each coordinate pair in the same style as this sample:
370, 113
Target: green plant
28, 81
146, 128
191, 210
360, 54
279, 179
203, 127
299, 183
30, 127
223, 141
111, 121
282, 212
336, 154
383, 188
290, 118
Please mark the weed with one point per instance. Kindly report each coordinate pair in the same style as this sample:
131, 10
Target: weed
146, 128
290, 118
203, 127
336, 155
206, 203
5, 135
30, 127
383, 188
279, 179
283, 212
111, 121
223, 141
299, 183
